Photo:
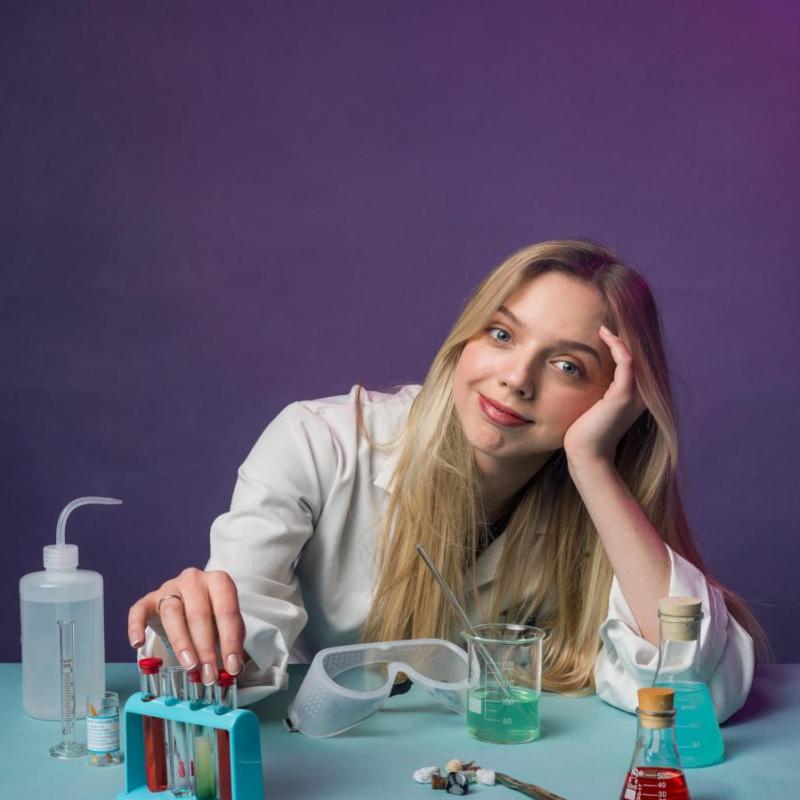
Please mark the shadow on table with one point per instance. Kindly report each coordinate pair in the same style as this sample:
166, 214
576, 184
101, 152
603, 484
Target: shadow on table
550, 727
765, 696
280, 783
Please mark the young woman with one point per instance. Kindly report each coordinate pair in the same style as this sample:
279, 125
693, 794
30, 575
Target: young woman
537, 466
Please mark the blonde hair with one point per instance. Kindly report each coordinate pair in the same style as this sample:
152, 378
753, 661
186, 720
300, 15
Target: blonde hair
435, 498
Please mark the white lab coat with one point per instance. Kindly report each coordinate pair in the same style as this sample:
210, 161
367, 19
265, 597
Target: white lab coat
300, 540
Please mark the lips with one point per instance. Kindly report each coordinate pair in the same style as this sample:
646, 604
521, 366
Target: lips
501, 415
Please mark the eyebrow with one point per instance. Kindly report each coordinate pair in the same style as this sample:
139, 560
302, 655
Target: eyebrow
566, 344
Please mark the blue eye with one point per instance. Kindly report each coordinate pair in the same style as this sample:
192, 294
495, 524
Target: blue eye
576, 371
505, 333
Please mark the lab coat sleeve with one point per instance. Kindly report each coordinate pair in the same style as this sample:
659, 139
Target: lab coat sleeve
627, 661
279, 494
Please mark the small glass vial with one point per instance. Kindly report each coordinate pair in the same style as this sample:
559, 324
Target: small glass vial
655, 770
102, 729
696, 729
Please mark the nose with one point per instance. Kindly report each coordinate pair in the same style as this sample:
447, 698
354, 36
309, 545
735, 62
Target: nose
517, 378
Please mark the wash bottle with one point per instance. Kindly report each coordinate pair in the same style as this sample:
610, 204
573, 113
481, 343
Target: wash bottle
61, 591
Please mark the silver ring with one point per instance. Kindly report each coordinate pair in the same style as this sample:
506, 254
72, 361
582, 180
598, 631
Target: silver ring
167, 597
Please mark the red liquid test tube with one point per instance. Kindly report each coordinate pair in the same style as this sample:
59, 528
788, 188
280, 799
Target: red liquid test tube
226, 699
155, 757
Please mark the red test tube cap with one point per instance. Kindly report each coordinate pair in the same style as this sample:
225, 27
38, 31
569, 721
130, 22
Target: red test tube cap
194, 676
150, 666
225, 678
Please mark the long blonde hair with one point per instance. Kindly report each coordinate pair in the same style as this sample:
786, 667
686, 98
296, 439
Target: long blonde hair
436, 500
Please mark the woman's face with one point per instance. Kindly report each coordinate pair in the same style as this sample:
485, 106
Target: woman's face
540, 356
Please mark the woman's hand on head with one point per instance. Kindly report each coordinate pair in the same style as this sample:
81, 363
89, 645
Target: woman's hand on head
597, 432
198, 607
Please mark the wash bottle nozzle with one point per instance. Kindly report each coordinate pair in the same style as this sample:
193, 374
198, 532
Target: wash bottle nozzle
62, 555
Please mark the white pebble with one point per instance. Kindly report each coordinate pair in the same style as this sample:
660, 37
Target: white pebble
425, 774
486, 777
453, 765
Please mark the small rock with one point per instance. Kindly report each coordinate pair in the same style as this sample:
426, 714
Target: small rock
486, 777
425, 774
457, 783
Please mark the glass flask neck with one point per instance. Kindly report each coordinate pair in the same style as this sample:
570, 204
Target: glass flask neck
656, 746
678, 649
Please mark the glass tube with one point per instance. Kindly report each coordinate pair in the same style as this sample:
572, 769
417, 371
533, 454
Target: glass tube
67, 747
178, 756
204, 783
153, 727
225, 695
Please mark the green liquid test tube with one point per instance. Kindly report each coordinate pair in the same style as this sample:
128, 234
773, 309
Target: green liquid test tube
205, 785
204, 775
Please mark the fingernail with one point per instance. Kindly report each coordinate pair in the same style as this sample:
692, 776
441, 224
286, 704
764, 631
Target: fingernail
606, 330
208, 675
136, 642
233, 664
187, 659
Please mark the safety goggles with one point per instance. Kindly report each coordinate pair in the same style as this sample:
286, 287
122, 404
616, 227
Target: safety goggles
346, 685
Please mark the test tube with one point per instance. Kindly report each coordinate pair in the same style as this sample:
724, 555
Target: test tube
178, 760
204, 782
155, 757
225, 697
67, 747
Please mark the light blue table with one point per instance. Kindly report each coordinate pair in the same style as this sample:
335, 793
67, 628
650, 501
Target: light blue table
583, 753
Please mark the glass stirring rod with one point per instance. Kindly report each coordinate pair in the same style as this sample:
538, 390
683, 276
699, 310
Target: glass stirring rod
67, 747
462, 615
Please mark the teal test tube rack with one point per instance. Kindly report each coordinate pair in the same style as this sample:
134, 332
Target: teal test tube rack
247, 778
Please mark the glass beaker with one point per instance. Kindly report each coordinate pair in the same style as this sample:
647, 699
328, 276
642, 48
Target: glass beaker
505, 682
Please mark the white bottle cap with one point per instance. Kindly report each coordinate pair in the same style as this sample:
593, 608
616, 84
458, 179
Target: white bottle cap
60, 556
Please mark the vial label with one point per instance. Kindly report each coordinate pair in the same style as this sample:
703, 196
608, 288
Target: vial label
102, 734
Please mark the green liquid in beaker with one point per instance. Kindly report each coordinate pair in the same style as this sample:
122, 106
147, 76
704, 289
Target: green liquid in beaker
493, 717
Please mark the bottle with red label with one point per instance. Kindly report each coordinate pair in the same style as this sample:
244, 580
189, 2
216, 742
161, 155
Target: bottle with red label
655, 769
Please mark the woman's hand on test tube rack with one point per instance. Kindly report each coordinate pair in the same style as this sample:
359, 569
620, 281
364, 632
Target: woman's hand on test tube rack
208, 605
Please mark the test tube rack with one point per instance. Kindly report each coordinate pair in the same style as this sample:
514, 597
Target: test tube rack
247, 778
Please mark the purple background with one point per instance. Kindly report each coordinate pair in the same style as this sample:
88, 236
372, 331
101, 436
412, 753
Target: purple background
209, 210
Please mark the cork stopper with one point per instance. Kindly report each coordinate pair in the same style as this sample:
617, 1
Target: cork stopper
656, 707
680, 618
656, 699
680, 606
